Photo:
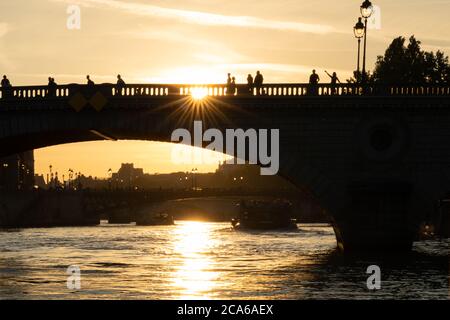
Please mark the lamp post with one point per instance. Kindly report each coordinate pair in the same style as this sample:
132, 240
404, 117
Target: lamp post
50, 167
70, 178
358, 30
366, 11
109, 178
194, 170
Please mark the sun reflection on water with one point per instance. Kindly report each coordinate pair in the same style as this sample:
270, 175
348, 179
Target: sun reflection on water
194, 277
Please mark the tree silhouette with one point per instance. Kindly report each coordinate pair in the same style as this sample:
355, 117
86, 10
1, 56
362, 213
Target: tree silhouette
409, 64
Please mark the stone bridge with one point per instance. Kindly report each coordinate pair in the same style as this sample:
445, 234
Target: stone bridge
376, 158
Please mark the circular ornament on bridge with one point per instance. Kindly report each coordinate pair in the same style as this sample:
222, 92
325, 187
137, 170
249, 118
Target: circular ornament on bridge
382, 138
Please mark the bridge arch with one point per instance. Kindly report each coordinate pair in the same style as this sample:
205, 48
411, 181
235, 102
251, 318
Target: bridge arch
145, 127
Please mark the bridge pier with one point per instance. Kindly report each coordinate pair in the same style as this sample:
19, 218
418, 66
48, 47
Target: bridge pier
352, 237
376, 218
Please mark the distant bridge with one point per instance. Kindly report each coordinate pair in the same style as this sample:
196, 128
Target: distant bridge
51, 208
377, 158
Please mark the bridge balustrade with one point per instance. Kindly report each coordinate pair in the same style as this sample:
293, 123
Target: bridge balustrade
220, 90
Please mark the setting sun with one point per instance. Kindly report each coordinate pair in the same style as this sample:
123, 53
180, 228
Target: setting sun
199, 93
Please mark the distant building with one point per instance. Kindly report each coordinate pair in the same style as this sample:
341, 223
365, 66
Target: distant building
127, 176
39, 181
17, 171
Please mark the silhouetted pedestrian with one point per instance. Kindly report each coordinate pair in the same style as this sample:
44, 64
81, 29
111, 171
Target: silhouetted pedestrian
51, 90
334, 81
89, 81
250, 84
233, 86
6, 87
229, 84
313, 82
314, 78
5, 82
334, 77
259, 80
120, 85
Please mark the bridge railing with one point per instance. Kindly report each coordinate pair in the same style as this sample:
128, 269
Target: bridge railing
220, 90
35, 92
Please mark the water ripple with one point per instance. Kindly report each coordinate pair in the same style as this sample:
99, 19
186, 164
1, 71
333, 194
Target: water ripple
194, 260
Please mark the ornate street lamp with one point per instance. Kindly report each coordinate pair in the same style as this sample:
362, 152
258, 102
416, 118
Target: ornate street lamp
366, 12
366, 9
358, 30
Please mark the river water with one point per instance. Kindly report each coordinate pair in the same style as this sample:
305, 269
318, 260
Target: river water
199, 260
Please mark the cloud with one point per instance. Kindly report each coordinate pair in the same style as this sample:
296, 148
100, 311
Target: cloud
205, 18
208, 46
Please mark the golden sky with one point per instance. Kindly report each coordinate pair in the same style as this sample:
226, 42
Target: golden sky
192, 41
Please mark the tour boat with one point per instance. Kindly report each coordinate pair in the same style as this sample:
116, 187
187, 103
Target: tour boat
264, 215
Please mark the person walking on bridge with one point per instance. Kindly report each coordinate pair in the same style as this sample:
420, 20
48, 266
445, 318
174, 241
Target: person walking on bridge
313, 82
259, 80
250, 84
229, 84
120, 85
51, 90
5, 82
314, 78
233, 86
6, 87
